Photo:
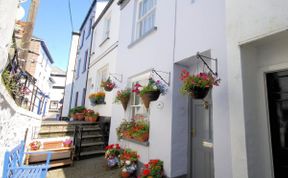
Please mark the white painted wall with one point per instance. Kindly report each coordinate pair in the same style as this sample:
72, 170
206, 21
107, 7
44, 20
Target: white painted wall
155, 50
200, 27
80, 82
7, 23
70, 74
104, 53
259, 18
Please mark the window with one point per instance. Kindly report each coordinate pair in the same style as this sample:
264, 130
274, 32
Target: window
76, 99
106, 28
85, 61
102, 75
78, 69
82, 39
145, 17
89, 28
53, 104
83, 97
138, 109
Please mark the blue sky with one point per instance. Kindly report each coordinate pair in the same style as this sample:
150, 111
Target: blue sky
53, 25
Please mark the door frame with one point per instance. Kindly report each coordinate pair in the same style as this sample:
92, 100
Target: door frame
263, 107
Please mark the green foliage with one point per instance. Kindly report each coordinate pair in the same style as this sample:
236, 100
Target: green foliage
10, 83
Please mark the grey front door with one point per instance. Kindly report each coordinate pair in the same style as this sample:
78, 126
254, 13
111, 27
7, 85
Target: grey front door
201, 162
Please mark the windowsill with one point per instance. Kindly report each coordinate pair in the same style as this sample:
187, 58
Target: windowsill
106, 39
137, 142
142, 37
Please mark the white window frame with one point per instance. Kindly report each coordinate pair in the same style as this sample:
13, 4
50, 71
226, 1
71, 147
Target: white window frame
106, 27
142, 78
139, 32
102, 75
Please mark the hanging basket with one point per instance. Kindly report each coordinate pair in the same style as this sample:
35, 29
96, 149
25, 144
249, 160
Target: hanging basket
124, 101
150, 96
199, 93
108, 88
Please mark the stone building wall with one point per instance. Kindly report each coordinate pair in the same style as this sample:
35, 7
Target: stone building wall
13, 124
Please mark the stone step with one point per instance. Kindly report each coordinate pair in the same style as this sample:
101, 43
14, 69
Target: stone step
94, 152
92, 144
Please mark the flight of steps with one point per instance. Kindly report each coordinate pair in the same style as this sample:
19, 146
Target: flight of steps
92, 142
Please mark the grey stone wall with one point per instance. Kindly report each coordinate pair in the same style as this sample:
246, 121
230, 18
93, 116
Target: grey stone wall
13, 124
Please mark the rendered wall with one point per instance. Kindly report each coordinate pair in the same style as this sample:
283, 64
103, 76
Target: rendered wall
259, 18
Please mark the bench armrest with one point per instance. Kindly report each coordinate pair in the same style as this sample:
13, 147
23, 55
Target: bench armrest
49, 154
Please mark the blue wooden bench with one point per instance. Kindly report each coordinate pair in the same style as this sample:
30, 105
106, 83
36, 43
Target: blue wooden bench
14, 167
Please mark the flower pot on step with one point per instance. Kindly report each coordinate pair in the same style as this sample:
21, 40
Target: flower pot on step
79, 116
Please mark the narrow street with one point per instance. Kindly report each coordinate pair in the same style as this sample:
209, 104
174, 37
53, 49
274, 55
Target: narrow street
88, 168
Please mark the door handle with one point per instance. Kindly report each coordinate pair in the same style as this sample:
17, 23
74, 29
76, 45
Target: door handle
207, 144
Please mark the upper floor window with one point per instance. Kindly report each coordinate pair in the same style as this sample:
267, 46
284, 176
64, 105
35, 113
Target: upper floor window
106, 27
85, 61
145, 17
82, 39
78, 69
89, 28
102, 75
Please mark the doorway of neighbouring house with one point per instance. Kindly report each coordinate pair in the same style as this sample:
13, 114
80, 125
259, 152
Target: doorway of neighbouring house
201, 164
277, 91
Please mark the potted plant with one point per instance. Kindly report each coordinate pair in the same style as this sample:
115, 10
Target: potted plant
197, 85
35, 145
124, 129
137, 130
123, 96
150, 92
141, 130
97, 97
108, 85
128, 162
152, 169
67, 143
90, 115
79, 113
111, 154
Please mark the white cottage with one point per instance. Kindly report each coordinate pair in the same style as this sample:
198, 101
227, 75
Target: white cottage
83, 53
103, 56
243, 131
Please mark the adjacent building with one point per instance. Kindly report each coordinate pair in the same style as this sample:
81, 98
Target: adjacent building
103, 58
83, 53
58, 76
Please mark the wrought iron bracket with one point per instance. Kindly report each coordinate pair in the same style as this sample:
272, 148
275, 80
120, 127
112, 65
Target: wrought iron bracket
166, 73
202, 58
118, 77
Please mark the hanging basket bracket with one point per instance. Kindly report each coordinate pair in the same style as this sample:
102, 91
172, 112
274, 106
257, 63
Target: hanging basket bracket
167, 82
203, 57
118, 77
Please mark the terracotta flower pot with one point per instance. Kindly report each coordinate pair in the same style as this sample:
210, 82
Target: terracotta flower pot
150, 96
91, 119
124, 101
199, 93
67, 145
79, 116
125, 174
